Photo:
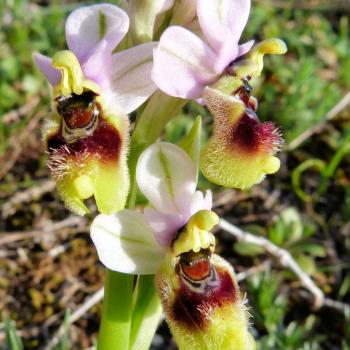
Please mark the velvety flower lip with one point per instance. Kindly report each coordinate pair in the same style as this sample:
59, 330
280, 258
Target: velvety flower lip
184, 64
92, 34
135, 242
242, 149
206, 313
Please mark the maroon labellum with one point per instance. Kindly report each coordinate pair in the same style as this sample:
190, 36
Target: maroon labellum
84, 134
203, 287
252, 136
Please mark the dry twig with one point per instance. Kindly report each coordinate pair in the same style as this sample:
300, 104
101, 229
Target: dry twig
10, 207
6, 237
90, 302
283, 256
253, 270
286, 260
18, 144
14, 115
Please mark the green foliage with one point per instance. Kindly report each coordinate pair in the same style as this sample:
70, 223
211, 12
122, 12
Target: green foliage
13, 340
306, 83
327, 170
292, 337
290, 233
39, 30
64, 343
267, 306
346, 341
269, 309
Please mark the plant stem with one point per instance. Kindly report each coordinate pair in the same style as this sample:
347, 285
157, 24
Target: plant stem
146, 314
116, 314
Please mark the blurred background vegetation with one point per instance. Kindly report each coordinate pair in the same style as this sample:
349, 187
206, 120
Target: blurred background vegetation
47, 262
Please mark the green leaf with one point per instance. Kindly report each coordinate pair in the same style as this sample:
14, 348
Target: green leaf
314, 249
307, 263
14, 342
64, 342
248, 249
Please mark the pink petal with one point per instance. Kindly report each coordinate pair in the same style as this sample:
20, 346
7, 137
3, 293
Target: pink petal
183, 64
83, 28
44, 63
130, 77
97, 66
223, 21
164, 226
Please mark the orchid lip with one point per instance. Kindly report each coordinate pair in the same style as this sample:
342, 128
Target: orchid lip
83, 148
199, 299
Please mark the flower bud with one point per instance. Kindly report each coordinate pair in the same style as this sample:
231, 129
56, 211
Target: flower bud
184, 12
143, 15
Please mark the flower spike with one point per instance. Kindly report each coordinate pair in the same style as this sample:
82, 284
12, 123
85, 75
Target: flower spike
172, 239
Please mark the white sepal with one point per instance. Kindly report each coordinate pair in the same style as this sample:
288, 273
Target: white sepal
125, 243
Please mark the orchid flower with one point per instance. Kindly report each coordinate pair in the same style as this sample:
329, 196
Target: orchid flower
242, 149
93, 90
172, 238
184, 64
214, 71
135, 242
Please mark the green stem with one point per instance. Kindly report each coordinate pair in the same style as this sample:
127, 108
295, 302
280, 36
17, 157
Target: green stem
116, 314
146, 313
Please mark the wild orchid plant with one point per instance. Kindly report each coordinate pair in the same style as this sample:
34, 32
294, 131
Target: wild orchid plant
109, 71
